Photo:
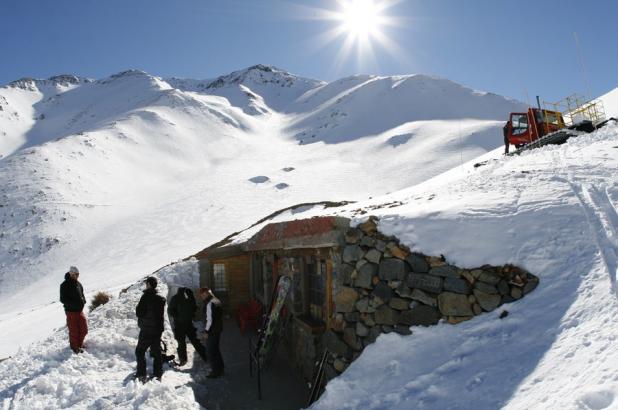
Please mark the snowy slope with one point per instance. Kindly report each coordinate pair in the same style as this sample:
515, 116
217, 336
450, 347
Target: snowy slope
18, 107
550, 210
48, 375
119, 176
373, 105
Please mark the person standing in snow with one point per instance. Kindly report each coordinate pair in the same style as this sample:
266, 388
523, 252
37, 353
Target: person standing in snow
213, 326
505, 131
181, 309
149, 313
72, 297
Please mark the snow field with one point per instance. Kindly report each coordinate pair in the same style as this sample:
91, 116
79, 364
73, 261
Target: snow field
49, 375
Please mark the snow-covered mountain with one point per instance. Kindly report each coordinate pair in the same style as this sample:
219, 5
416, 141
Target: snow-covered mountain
257, 89
122, 175
347, 109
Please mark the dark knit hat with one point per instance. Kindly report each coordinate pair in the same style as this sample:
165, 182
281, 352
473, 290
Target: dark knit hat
152, 281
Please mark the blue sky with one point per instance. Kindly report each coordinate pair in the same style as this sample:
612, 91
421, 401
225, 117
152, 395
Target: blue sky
514, 48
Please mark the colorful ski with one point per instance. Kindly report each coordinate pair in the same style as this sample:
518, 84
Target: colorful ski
267, 336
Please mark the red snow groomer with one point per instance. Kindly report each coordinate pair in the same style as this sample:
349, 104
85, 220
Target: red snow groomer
555, 123
527, 127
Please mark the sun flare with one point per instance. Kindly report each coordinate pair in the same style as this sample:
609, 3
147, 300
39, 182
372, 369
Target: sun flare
361, 27
360, 18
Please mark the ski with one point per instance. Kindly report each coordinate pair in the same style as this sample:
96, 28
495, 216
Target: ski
267, 333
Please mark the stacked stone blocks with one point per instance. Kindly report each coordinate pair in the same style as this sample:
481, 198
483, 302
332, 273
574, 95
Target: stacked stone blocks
383, 287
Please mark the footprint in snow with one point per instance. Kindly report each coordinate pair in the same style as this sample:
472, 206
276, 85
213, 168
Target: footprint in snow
282, 185
288, 169
399, 140
260, 179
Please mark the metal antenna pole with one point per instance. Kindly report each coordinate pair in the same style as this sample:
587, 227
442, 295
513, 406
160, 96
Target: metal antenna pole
582, 65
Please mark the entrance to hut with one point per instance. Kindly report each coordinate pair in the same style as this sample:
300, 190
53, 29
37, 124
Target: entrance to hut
307, 253
282, 387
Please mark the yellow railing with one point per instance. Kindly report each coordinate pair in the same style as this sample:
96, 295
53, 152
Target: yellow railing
576, 108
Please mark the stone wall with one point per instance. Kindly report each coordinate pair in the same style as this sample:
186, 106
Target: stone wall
383, 287
306, 346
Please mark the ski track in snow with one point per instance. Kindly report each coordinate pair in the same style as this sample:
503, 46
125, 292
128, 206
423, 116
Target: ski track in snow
603, 220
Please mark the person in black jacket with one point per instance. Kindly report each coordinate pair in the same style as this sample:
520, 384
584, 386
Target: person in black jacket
181, 309
149, 313
505, 132
72, 297
213, 326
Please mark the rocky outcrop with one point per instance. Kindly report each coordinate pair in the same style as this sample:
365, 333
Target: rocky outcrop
33, 84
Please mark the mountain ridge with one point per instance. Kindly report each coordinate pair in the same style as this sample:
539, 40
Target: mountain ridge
257, 90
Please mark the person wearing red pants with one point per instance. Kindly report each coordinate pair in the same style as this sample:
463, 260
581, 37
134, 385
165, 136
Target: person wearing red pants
72, 297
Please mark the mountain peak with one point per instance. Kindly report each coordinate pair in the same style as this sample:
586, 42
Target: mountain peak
260, 74
264, 67
64, 80
130, 73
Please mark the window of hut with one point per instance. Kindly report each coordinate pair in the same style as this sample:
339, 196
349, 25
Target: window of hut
220, 280
316, 273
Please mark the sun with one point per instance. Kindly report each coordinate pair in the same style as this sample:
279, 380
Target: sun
360, 27
360, 18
